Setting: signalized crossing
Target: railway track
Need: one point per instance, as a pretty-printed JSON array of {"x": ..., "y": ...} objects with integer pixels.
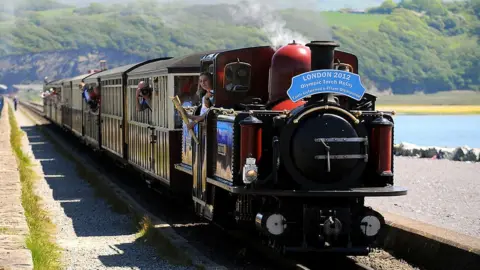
[{"x": 231, "y": 249}]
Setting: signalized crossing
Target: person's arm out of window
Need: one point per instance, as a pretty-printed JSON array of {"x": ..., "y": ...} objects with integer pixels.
[{"x": 196, "y": 119}]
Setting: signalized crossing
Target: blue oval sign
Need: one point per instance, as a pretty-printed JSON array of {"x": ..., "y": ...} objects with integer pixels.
[{"x": 326, "y": 81}]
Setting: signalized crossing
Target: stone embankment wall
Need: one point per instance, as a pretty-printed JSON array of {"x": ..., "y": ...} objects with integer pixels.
[
  {"x": 13, "y": 225},
  {"x": 457, "y": 154}
]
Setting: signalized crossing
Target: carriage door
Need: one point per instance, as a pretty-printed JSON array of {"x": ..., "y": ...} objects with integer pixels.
[
  {"x": 199, "y": 162},
  {"x": 141, "y": 130}
]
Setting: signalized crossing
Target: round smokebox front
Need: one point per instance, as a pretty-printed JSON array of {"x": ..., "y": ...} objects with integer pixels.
[{"x": 323, "y": 151}]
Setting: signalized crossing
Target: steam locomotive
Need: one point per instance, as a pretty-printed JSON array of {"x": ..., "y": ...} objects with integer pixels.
[{"x": 288, "y": 153}]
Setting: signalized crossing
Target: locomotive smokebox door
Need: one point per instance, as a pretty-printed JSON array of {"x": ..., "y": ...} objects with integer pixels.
[{"x": 324, "y": 149}]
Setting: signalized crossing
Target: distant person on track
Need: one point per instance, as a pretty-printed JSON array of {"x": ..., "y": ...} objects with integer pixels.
[
  {"x": 1, "y": 105},
  {"x": 15, "y": 102},
  {"x": 206, "y": 89}
]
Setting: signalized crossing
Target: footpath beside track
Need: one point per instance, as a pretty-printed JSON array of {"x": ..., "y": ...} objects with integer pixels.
[
  {"x": 424, "y": 245},
  {"x": 13, "y": 225},
  {"x": 94, "y": 230}
]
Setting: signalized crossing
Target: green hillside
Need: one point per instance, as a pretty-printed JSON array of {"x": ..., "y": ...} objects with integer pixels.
[{"x": 417, "y": 45}]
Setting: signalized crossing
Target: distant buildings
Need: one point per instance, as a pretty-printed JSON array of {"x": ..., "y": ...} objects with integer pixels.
[{"x": 352, "y": 11}]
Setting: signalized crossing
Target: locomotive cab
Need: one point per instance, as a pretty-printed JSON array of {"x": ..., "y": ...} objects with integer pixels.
[{"x": 240, "y": 77}]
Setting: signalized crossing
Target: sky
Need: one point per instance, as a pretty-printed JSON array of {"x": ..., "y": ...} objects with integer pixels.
[
  {"x": 324, "y": 5},
  {"x": 310, "y": 4}
]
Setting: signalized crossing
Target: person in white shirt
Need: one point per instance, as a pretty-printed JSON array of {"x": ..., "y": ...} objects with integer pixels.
[{"x": 205, "y": 82}]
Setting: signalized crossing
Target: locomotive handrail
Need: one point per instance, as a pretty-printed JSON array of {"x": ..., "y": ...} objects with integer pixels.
[
  {"x": 225, "y": 111},
  {"x": 326, "y": 107},
  {"x": 358, "y": 113}
]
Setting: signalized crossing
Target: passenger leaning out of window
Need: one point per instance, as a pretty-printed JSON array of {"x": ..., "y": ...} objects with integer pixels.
[{"x": 206, "y": 86}]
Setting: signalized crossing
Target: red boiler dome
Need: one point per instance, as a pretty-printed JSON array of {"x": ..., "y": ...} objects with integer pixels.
[
  {"x": 287, "y": 62},
  {"x": 287, "y": 105}
]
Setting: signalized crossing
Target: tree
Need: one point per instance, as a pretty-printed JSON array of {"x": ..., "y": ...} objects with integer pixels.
[
  {"x": 476, "y": 7},
  {"x": 385, "y": 8},
  {"x": 431, "y": 7}
]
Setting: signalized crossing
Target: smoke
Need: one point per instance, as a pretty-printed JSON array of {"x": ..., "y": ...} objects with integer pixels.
[{"x": 263, "y": 15}]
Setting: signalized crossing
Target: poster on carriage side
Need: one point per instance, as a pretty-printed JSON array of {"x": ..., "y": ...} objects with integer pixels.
[{"x": 183, "y": 114}]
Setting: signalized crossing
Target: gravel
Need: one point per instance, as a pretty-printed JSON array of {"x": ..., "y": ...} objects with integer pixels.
[
  {"x": 91, "y": 234},
  {"x": 443, "y": 193},
  {"x": 381, "y": 260}
]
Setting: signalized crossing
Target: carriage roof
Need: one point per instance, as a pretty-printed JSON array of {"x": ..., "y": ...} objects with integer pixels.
[
  {"x": 53, "y": 83},
  {"x": 183, "y": 64},
  {"x": 118, "y": 71},
  {"x": 78, "y": 78},
  {"x": 114, "y": 72}
]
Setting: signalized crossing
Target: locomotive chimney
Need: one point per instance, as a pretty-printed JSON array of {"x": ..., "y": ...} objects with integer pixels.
[{"x": 322, "y": 54}]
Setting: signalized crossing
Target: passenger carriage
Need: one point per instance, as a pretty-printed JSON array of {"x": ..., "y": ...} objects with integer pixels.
[
  {"x": 53, "y": 100},
  {"x": 76, "y": 106},
  {"x": 106, "y": 128},
  {"x": 154, "y": 135}
]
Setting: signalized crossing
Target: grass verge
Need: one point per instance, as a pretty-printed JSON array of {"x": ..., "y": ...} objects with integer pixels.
[
  {"x": 4, "y": 230},
  {"x": 146, "y": 233},
  {"x": 432, "y": 109},
  {"x": 45, "y": 252}
]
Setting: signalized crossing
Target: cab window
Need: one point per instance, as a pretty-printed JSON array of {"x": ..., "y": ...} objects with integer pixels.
[{"x": 185, "y": 87}]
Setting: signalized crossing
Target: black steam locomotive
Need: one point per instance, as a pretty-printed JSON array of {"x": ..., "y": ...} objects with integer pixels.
[
  {"x": 297, "y": 169},
  {"x": 290, "y": 150}
]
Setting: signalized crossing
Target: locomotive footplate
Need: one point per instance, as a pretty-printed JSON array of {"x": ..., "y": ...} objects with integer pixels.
[{"x": 352, "y": 192}]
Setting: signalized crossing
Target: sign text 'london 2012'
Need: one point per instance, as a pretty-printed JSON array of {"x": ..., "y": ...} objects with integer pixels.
[{"x": 324, "y": 82}]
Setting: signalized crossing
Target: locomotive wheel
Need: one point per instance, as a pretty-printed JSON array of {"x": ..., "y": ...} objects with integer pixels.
[{"x": 298, "y": 150}]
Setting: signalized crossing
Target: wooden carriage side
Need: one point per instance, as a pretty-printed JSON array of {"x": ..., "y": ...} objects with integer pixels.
[
  {"x": 53, "y": 101},
  {"x": 91, "y": 119},
  {"x": 108, "y": 124},
  {"x": 66, "y": 104},
  {"x": 47, "y": 100},
  {"x": 154, "y": 135},
  {"x": 112, "y": 85},
  {"x": 75, "y": 103}
]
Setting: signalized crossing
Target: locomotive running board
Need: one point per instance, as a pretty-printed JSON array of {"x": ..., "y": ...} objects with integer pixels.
[
  {"x": 353, "y": 192},
  {"x": 184, "y": 168}
]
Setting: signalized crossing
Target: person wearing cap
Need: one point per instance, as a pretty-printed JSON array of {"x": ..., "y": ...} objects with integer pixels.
[
  {"x": 142, "y": 101},
  {"x": 205, "y": 83}
]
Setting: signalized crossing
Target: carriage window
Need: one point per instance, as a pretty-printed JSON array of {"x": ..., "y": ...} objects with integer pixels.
[
  {"x": 142, "y": 116},
  {"x": 186, "y": 90}
]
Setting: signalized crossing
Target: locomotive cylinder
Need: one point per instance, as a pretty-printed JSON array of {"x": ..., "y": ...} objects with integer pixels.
[
  {"x": 381, "y": 145},
  {"x": 250, "y": 139}
]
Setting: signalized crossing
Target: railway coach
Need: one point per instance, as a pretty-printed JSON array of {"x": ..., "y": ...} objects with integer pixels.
[{"x": 288, "y": 153}]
